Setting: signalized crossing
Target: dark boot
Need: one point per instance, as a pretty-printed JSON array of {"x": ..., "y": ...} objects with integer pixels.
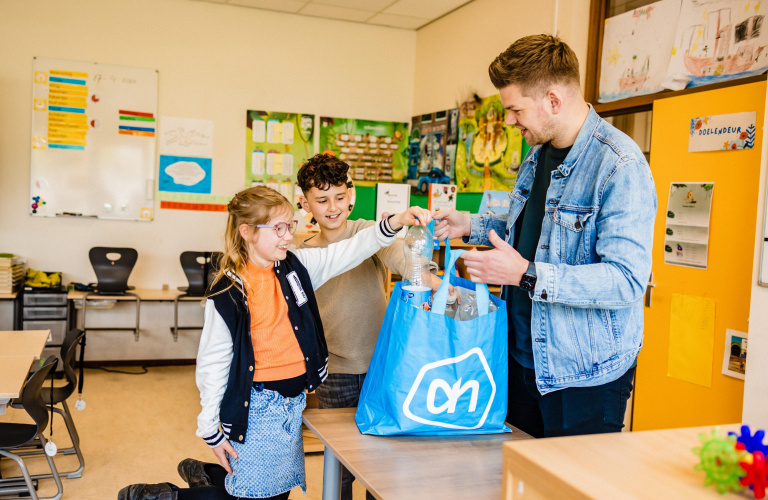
[
  {"x": 161, "y": 491},
  {"x": 193, "y": 473}
]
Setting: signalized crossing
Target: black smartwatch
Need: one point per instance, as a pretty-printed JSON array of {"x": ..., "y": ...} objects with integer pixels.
[{"x": 528, "y": 281}]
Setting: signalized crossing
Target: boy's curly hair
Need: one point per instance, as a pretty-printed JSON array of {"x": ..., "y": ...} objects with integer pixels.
[{"x": 322, "y": 171}]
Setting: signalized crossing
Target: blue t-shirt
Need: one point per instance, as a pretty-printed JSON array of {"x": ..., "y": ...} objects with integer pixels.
[{"x": 527, "y": 234}]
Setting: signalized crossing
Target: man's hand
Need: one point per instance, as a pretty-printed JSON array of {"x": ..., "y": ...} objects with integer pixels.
[
  {"x": 501, "y": 266},
  {"x": 450, "y": 224},
  {"x": 221, "y": 453},
  {"x": 412, "y": 216}
]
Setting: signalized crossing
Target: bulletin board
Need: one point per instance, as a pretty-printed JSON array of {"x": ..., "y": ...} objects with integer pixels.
[
  {"x": 93, "y": 140},
  {"x": 678, "y": 347},
  {"x": 376, "y": 151}
]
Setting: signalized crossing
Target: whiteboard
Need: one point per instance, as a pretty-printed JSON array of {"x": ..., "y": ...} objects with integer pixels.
[{"x": 93, "y": 140}]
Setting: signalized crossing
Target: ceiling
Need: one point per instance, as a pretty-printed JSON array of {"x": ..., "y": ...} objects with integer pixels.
[{"x": 407, "y": 14}]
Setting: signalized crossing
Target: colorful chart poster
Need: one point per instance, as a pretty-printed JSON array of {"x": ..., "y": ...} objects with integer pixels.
[
  {"x": 686, "y": 238},
  {"x": 432, "y": 149},
  {"x": 494, "y": 202},
  {"x": 719, "y": 40},
  {"x": 489, "y": 153},
  {"x": 637, "y": 46},
  {"x": 276, "y": 144},
  {"x": 186, "y": 155},
  {"x": 442, "y": 196},
  {"x": 722, "y": 132},
  {"x": 375, "y": 151},
  {"x": 735, "y": 354}
]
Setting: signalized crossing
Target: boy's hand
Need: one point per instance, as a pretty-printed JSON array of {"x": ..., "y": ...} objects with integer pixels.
[
  {"x": 436, "y": 280},
  {"x": 411, "y": 217},
  {"x": 221, "y": 454}
]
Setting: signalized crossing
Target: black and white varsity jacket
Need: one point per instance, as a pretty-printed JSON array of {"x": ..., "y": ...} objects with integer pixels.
[{"x": 225, "y": 358}]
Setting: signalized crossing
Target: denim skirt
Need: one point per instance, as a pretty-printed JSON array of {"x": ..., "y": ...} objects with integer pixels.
[{"x": 271, "y": 459}]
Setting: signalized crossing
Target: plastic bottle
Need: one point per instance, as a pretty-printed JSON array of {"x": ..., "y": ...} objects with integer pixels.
[
  {"x": 451, "y": 307},
  {"x": 417, "y": 280}
]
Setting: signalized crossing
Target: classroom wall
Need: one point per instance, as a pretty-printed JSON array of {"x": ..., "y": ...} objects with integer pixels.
[
  {"x": 453, "y": 53},
  {"x": 215, "y": 62},
  {"x": 755, "y": 411}
]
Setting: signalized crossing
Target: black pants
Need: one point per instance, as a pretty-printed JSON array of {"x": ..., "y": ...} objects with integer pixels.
[
  {"x": 342, "y": 390},
  {"x": 216, "y": 492},
  {"x": 567, "y": 412}
]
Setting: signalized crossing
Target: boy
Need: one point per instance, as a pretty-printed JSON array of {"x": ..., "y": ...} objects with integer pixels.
[{"x": 352, "y": 305}]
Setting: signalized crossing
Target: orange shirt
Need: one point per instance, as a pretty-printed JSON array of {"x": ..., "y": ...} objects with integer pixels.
[{"x": 275, "y": 347}]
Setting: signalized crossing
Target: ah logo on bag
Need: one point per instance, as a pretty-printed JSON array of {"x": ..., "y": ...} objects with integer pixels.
[{"x": 455, "y": 393}]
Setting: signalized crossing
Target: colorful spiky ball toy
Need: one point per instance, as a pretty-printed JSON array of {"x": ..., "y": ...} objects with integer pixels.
[{"x": 730, "y": 463}]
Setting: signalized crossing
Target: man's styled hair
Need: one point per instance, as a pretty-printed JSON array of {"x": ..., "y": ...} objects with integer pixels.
[
  {"x": 535, "y": 62},
  {"x": 322, "y": 171}
]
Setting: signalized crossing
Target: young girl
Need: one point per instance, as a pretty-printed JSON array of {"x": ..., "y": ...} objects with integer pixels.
[{"x": 262, "y": 345}]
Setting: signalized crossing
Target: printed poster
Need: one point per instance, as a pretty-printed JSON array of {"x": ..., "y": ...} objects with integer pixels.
[
  {"x": 494, "y": 202},
  {"x": 276, "y": 145},
  {"x": 719, "y": 40},
  {"x": 735, "y": 354},
  {"x": 686, "y": 238},
  {"x": 637, "y": 46},
  {"x": 392, "y": 199},
  {"x": 442, "y": 196},
  {"x": 375, "y": 151},
  {"x": 432, "y": 149},
  {"x": 186, "y": 155},
  {"x": 722, "y": 132},
  {"x": 489, "y": 153}
]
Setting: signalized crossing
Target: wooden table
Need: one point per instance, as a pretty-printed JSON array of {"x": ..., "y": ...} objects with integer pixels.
[
  {"x": 636, "y": 465},
  {"x": 408, "y": 467},
  {"x": 13, "y": 373},
  {"x": 23, "y": 343}
]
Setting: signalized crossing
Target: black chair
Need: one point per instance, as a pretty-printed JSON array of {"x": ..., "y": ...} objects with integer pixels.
[
  {"x": 199, "y": 267},
  {"x": 14, "y": 436},
  {"x": 112, "y": 279},
  {"x": 60, "y": 395}
]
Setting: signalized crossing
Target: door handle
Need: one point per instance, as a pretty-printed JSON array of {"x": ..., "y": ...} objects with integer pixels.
[{"x": 649, "y": 291}]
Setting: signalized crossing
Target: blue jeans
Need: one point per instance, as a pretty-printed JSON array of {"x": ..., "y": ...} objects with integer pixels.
[
  {"x": 342, "y": 390},
  {"x": 568, "y": 412}
]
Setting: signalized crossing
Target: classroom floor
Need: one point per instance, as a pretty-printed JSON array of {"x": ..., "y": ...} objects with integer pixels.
[{"x": 136, "y": 429}]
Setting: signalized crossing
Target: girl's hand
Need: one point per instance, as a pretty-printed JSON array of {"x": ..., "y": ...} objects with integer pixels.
[
  {"x": 221, "y": 453},
  {"x": 412, "y": 216}
]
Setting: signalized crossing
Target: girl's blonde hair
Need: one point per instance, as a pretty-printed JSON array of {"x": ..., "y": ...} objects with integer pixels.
[{"x": 252, "y": 206}]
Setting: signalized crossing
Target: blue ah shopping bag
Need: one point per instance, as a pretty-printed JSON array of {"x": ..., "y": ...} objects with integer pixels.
[{"x": 433, "y": 375}]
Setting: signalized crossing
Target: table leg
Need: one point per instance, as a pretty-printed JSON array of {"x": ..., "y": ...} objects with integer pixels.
[{"x": 331, "y": 476}]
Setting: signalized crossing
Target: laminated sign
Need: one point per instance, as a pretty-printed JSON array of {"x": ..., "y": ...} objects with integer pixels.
[{"x": 722, "y": 132}]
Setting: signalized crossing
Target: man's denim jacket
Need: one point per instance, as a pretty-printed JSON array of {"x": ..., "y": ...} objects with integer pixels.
[{"x": 593, "y": 260}]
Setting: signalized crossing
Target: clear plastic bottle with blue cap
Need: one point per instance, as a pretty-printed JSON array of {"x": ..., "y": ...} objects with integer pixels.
[{"x": 417, "y": 280}]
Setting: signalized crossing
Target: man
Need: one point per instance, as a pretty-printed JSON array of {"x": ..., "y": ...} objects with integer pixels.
[{"x": 574, "y": 251}]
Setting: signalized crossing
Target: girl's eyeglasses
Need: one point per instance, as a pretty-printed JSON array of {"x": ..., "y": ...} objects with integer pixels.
[{"x": 281, "y": 227}]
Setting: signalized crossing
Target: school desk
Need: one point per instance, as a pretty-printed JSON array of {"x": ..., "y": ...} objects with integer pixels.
[
  {"x": 143, "y": 294},
  {"x": 637, "y": 465},
  {"x": 408, "y": 467},
  {"x": 23, "y": 343}
]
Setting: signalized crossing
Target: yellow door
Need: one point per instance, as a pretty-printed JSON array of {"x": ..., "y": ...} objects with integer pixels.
[{"x": 661, "y": 401}]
